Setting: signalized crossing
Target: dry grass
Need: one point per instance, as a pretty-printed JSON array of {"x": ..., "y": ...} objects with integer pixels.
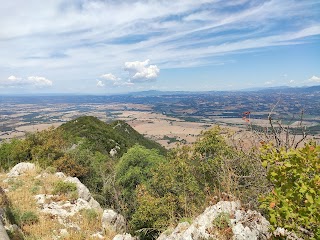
[{"x": 21, "y": 196}]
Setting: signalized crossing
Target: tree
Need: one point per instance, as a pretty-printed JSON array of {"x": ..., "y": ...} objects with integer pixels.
[{"x": 134, "y": 168}]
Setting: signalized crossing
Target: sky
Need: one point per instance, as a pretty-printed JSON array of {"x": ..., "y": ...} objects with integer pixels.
[{"x": 116, "y": 46}]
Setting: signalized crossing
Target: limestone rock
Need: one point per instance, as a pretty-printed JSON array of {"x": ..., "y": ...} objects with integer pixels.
[
  {"x": 60, "y": 175},
  {"x": 283, "y": 233},
  {"x": 97, "y": 235},
  {"x": 3, "y": 233},
  {"x": 124, "y": 237},
  {"x": 21, "y": 168},
  {"x": 249, "y": 225},
  {"x": 84, "y": 193},
  {"x": 113, "y": 220}
]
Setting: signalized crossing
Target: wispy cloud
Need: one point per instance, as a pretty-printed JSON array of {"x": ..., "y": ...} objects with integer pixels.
[{"x": 86, "y": 38}]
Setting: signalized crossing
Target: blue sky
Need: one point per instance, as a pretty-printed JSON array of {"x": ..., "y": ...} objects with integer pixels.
[{"x": 109, "y": 46}]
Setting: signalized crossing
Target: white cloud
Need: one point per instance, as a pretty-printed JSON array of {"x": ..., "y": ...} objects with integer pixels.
[
  {"x": 141, "y": 71},
  {"x": 34, "y": 81},
  {"x": 100, "y": 83},
  {"x": 314, "y": 79},
  {"x": 72, "y": 40},
  {"x": 291, "y": 81},
  {"x": 39, "y": 81},
  {"x": 110, "y": 77}
]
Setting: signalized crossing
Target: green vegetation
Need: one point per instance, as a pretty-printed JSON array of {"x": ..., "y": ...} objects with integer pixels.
[
  {"x": 294, "y": 201},
  {"x": 154, "y": 189},
  {"x": 22, "y": 218},
  {"x": 222, "y": 221},
  {"x": 62, "y": 187},
  {"x": 103, "y": 137}
]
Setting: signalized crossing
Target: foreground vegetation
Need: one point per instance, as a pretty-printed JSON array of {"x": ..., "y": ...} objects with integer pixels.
[{"x": 154, "y": 189}]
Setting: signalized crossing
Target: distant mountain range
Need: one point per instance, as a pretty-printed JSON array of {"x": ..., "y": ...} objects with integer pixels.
[
  {"x": 284, "y": 89},
  {"x": 150, "y": 93}
]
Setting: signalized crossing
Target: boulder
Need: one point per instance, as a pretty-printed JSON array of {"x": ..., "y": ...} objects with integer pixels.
[
  {"x": 113, "y": 220},
  {"x": 249, "y": 225},
  {"x": 3, "y": 232},
  {"x": 21, "y": 168}
]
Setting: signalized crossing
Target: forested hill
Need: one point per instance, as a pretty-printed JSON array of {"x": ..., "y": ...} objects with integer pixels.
[{"x": 103, "y": 137}]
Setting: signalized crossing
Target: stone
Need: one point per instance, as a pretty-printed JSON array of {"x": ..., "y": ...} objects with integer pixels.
[
  {"x": 124, "y": 237},
  {"x": 64, "y": 232},
  {"x": 60, "y": 175},
  {"x": 245, "y": 225},
  {"x": 83, "y": 191},
  {"x": 21, "y": 168},
  {"x": 113, "y": 152},
  {"x": 113, "y": 220},
  {"x": 3, "y": 232},
  {"x": 94, "y": 204},
  {"x": 97, "y": 235}
]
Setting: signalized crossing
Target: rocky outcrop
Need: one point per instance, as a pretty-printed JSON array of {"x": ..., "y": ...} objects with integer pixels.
[
  {"x": 113, "y": 220},
  {"x": 225, "y": 217},
  {"x": 59, "y": 207},
  {"x": 20, "y": 168},
  {"x": 84, "y": 193},
  {"x": 3, "y": 232}
]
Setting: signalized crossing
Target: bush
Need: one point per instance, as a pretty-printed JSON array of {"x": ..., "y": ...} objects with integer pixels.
[
  {"x": 70, "y": 165},
  {"x": 22, "y": 218},
  {"x": 222, "y": 221},
  {"x": 134, "y": 168},
  {"x": 294, "y": 202},
  {"x": 62, "y": 187}
]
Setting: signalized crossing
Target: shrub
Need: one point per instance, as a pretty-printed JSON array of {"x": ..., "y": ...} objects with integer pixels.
[
  {"x": 70, "y": 165},
  {"x": 222, "y": 221},
  {"x": 134, "y": 168},
  {"x": 294, "y": 202},
  {"x": 22, "y": 218},
  {"x": 62, "y": 187}
]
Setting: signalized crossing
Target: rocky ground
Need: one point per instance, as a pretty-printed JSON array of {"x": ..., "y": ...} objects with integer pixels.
[{"x": 80, "y": 216}]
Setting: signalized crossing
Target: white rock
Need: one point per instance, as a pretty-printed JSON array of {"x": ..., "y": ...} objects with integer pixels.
[
  {"x": 284, "y": 233},
  {"x": 248, "y": 225},
  {"x": 97, "y": 235},
  {"x": 64, "y": 232},
  {"x": 113, "y": 152},
  {"x": 42, "y": 175},
  {"x": 21, "y": 168},
  {"x": 94, "y": 204},
  {"x": 124, "y": 237},
  {"x": 83, "y": 191},
  {"x": 40, "y": 198},
  {"x": 60, "y": 175},
  {"x": 113, "y": 220}
]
